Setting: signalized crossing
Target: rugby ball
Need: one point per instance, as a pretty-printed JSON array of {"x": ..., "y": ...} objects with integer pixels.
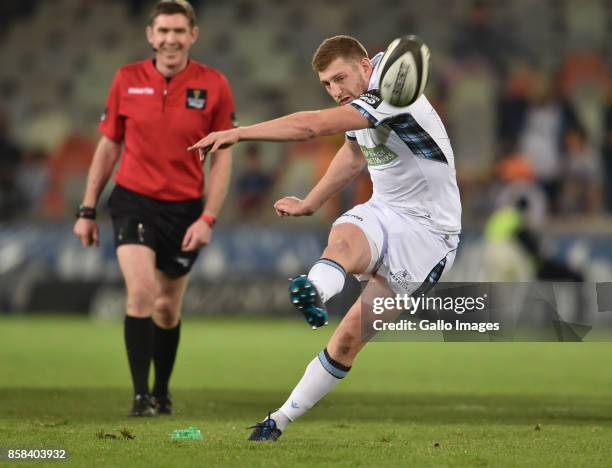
[{"x": 403, "y": 71}]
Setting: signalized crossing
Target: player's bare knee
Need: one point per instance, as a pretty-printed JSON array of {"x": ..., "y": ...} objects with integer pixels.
[
  {"x": 340, "y": 250},
  {"x": 166, "y": 312},
  {"x": 140, "y": 303},
  {"x": 338, "y": 246},
  {"x": 349, "y": 247}
]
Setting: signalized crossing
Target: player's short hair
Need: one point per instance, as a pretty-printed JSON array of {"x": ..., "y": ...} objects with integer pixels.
[
  {"x": 337, "y": 47},
  {"x": 173, "y": 7}
]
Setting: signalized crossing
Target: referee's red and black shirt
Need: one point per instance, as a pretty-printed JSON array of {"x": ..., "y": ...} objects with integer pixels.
[{"x": 157, "y": 119}]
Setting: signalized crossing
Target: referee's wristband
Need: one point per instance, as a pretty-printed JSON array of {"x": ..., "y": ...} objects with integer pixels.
[
  {"x": 208, "y": 219},
  {"x": 86, "y": 212}
]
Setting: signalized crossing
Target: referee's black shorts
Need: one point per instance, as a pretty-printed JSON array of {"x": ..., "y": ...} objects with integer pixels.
[{"x": 160, "y": 225}]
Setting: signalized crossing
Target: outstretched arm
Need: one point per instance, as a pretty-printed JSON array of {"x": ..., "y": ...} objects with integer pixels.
[
  {"x": 345, "y": 166},
  {"x": 293, "y": 127}
]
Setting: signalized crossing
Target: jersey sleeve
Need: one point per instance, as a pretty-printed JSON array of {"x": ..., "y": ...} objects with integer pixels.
[
  {"x": 112, "y": 124},
  {"x": 350, "y": 135},
  {"x": 225, "y": 114},
  {"x": 373, "y": 108}
]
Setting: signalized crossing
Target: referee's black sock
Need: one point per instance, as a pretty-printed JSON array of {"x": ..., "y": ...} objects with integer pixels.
[
  {"x": 138, "y": 334},
  {"x": 166, "y": 343}
]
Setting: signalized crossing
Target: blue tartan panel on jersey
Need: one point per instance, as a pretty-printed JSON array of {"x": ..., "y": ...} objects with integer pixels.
[
  {"x": 417, "y": 139},
  {"x": 432, "y": 278},
  {"x": 373, "y": 120}
]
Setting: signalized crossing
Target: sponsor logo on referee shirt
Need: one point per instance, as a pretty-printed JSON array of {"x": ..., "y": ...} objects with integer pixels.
[
  {"x": 147, "y": 90},
  {"x": 196, "y": 99}
]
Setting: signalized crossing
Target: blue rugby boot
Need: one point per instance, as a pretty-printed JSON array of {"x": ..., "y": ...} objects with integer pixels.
[
  {"x": 305, "y": 297},
  {"x": 265, "y": 430}
]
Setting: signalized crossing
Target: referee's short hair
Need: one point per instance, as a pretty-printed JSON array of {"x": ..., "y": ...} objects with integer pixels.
[{"x": 172, "y": 7}]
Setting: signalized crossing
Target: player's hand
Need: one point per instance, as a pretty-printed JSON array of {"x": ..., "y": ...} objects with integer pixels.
[
  {"x": 197, "y": 236},
  {"x": 292, "y": 206},
  {"x": 87, "y": 231},
  {"x": 215, "y": 141}
]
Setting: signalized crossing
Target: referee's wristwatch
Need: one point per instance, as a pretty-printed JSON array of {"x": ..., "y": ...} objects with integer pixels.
[
  {"x": 86, "y": 212},
  {"x": 208, "y": 219}
]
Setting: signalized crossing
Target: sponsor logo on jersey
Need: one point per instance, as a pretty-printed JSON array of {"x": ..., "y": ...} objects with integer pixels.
[
  {"x": 196, "y": 99},
  {"x": 353, "y": 216},
  {"x": 402, "y": 278},
  {"x": 371, "y": 98},
  {"x": 147, "y": 90},
  {"x": 379, "y": 155}
]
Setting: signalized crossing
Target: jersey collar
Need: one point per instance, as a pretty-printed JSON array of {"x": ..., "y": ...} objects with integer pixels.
[
  {"x": 375, "y": 61},
  {"x": 155, "y": 72}
]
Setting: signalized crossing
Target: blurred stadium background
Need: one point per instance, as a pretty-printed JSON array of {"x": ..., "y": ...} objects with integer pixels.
[{"x": 524, "y": 87}]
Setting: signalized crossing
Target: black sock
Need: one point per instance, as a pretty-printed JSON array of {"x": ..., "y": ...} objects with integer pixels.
[
  {"x": 166, "y": 344},
  {"x": 138, "y": 333}
]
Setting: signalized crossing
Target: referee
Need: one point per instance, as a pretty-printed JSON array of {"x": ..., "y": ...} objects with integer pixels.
[{"x": 155, "y": 110}]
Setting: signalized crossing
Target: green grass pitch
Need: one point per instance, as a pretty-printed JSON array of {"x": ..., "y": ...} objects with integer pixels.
[{"x": 63, "y": 382}]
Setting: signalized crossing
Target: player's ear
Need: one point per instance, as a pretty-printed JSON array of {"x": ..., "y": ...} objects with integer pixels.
[
  {"x": 149, "y": 33},
  {"x": 366, "y": 66},
  {"x": 195, "y": 33}
]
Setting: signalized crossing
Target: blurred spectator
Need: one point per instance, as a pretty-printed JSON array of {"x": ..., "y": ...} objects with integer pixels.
[
  {"x": 473, "y": 92},
  {"x": 479, "y": 39},
  {"x": 607, "y": 152},
  {"x": 68, "y": 167},
  {"x": 530, "y": 239},
  {"x": 582, "y": 175},
  {"x": 513, "y": 105},
  {"x": 516, "y": 177},
  {"x": 504, "y": 258},
  {"x": 254, "y": 183},
  {"x": 514, "y": 249},
  {"x": 584, "y": 80},
  {"x": 546, "y": 121},
  {"x": 10, "y": 161},
  {"x": 33, "y": 180}
]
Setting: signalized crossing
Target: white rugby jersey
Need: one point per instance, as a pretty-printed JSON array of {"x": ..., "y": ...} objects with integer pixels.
[{"x": 409, "y": 157}]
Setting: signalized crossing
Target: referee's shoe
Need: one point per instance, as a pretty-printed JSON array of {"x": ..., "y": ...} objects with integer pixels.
[
  {"x": 162, "y": 404},
  {"x": 143, "y": 406}
]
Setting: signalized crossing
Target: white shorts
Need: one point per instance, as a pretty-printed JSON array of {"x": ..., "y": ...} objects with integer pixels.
[{"x": 407, "y": 253}]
